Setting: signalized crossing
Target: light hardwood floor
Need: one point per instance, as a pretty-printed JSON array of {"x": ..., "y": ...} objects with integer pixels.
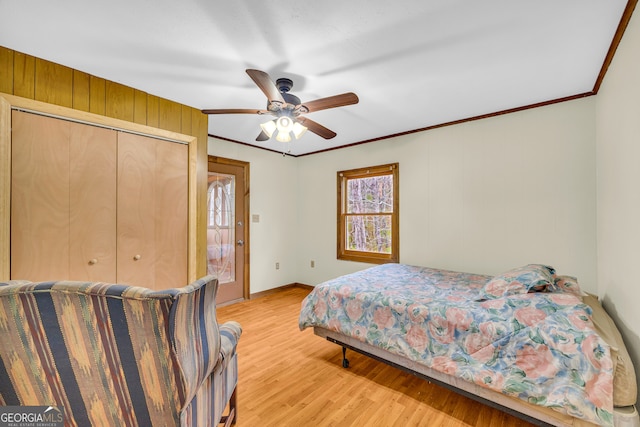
[{"x": 289, "y": 377}]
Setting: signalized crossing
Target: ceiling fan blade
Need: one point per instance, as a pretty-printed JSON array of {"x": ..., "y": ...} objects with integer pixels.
[
  {"x": 262, "y": 137},
  {"x": 348, "y": 98},
  {"x": 266, "y": 85},
  {"x": 235, "y": 111},
  {"x": 316, "y": 128}
]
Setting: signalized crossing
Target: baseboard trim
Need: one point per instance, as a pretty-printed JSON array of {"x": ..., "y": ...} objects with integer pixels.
[
  {"x": 280, "y": 289},
  {"x": 235, "y": 301}
]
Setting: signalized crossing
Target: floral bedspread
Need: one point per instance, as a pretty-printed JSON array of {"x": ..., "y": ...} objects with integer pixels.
[{"x": 540, "y": 347}]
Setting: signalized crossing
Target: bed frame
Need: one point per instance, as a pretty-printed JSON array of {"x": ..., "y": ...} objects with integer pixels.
[{"x": 534, "y": 414}]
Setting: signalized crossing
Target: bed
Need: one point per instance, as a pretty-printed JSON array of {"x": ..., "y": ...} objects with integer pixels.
[{"x": 527, "y": 341}]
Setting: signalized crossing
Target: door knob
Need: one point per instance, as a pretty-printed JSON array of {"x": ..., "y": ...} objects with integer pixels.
[
  {"x": 240, "y": 242},
  {"x": 93, "y": 261},
  {"x": 136, "y": 257}
]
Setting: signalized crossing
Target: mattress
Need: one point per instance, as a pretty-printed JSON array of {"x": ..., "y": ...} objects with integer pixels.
[{"x": 542, "y": 347}]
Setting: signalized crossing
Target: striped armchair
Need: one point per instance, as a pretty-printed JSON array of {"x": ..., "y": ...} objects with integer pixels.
[{"x": 114, "y": 355}]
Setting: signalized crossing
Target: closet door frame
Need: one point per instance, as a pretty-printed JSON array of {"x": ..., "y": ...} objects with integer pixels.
[{"x": 11, "y": 102}]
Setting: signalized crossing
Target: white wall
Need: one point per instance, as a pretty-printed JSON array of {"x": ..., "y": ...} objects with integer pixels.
[
  {"x": 273, "y": 196},
  {"x": 484, "y": 196},
  {"x": 618, "y": 184}
]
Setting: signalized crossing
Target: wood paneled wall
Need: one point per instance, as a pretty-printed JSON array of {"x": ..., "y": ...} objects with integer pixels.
[{"x": 34, "y": 78}]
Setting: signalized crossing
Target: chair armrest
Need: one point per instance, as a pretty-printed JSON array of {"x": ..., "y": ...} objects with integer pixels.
[{"x": 230, "y": 334}]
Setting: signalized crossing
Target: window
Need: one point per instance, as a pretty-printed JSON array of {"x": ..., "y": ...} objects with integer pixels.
[
  {"x": 221, "y": 239},
  {"x": 368, "y": 212},
  {"x": 220, "y": 200}
]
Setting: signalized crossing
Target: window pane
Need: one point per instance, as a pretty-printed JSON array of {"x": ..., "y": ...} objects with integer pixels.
[
  {"x": 221, "y": 227},
  {"x": 370, "y": 195},
  {"x": 369, "y": 233},
  {"x": 368, "y": 212}
]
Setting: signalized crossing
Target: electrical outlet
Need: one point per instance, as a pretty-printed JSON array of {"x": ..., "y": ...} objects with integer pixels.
[
  {"x": 277, "y": 266},
  {"x": 313, "y": 263}
]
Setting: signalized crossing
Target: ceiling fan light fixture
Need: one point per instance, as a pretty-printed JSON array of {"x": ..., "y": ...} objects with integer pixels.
[
  {"x": 298, "y": 130},
  {"x": 269, "y": 127},
  {"x": 284, "y": 124},
  {"x": 283, "y": 136}
]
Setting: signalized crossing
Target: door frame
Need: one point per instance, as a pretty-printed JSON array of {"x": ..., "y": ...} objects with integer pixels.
[
  {"x": 246, "y": 288},
  {"x": 10, "y": 102}
]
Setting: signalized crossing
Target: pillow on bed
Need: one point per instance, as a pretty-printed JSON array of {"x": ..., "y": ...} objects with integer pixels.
[
  {"x": 567, "y": 284},
  {"x": 529, "y": 278}
]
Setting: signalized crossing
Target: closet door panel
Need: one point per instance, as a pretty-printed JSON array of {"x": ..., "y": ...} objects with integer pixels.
[
  {"x": 171, "y": 182},
  {"x": 39, "y": 197},
  {"x": 136, "y": 210},
  {"x": 93, "y": 177}
]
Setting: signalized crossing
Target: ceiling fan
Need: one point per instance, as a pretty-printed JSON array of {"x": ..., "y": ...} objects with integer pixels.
[{"x": 288, "y": 109}]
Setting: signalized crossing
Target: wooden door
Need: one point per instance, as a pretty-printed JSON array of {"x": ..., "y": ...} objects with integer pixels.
[
  {"x": 39, "y": 197},
  {"x": 227, "y": 231},
  {"x": 152, "y": 212},
  {"x": 63, "y": 200},
  {"x": 172, "y": 206},
  {"x": 92, "y": 203}
]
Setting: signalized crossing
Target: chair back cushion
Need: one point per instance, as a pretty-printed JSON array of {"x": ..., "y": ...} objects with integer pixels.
[{"x": 105, "y": 354}]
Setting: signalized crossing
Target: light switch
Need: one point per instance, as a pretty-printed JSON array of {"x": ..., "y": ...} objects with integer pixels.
[{"x": 255, "y": 218}]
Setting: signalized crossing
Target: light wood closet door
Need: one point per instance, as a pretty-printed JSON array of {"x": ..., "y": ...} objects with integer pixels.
[
  {"x": 39, "y": 197},
  {"x": 63, "y": 200},
  {"x": 96, "y": 204},
  {"x": 92, "y": 203},
  {"x": 152, "y": 212},
  {"x": 172, "y": 212}
]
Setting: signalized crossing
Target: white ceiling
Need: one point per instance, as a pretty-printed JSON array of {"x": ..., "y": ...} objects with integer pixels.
[{"x": 413, "y": 63}]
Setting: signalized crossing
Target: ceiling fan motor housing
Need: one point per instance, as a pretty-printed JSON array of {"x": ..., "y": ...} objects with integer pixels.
[
  {"x": 291, "y": 99},
  {"x": 284, "y": 84}
]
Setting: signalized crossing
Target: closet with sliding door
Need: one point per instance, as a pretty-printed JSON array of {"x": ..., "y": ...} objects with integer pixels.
[{"x": 94, "y": 203}]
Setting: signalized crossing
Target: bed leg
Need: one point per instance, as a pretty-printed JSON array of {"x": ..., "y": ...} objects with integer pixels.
[{"x": 345, "y": 361}]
